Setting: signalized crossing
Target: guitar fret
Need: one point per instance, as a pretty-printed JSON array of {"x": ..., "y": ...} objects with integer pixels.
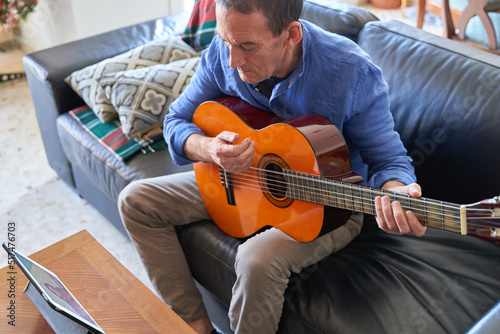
[
  {"x": 291, "y": 180},
  {"x": 331, "y": 199},
  {"x": 426, "y": 216},
  {"x": 324, "y": 193},
  {"x": 324, "y": 188},
  {"x": 348, "y": 201},
  {"x": 443, "y": 220},
  {"x": 407, "y": 199},
  {"x": 310, "y": 190},
  {"x": 357, "y": 203},
  {"x": 290, "y": 185},
  {"x": 419, "y": 211},
  {"x": 300, "y": 193},
  {"x": 339, "y": 194},
  {"x": 307, "y": 191},
  {"x": 345, "y": 196},
  {"x": 368, "y": 202},
  {"x": 316, "y": 191},
  {"x": 300, "y": 187},
  {"x": 434, "y": 216},
  {"x": 451, "y": 219}
]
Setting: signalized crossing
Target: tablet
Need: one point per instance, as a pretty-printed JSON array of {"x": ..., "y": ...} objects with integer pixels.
[{"x": 53, "y": 291}]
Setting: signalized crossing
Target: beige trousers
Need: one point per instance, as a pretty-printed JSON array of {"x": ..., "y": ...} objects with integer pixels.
[{"x": 150, "y": 210}]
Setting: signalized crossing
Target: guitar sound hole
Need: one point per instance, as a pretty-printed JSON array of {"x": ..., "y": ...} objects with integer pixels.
[
  {"x": 276, "y": 183},
  {"x": 272, "y": 181}
]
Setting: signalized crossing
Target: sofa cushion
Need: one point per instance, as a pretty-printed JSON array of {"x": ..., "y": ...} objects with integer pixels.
[
  {"x": 86, "y": 80},
  {"x": 142, "y": 96},
  {"x": 380, "y": 283},
  {"x": 444, "y": 99},
  {"x": 102, "y": 167}
]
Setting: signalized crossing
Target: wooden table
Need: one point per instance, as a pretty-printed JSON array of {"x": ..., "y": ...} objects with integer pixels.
[{"x": 115, "y": 298}]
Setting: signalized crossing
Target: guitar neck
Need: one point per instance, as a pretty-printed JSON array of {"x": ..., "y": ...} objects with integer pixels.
[{"x": 353, "y": 197}]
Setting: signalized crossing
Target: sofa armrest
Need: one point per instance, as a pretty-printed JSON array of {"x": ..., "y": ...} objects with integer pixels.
[{"x": 46, "y": 70}]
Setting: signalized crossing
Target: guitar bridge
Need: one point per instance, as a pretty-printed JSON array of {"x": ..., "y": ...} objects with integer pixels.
[{"x": 227, "y": 183}]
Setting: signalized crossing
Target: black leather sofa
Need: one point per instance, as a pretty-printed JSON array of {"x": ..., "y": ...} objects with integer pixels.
[{"x": 445, "y": 98}]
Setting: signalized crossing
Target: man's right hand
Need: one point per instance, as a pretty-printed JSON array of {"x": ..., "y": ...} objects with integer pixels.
[{"x": 221, "y": 150}]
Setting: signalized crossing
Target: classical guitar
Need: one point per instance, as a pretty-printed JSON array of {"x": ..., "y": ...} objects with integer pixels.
[{"x": 301, "y": 180}]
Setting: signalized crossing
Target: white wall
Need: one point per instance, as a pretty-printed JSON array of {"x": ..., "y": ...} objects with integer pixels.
[{"x": 56, "y": 22}]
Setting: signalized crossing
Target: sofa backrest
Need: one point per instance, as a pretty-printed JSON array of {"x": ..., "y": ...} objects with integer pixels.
[
  {"x": 337, "y": 17},
  {"x": 445, "y": 99}
]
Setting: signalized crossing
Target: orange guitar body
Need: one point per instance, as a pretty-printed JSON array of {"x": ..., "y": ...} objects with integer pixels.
[{"x": 242, "y": 204}]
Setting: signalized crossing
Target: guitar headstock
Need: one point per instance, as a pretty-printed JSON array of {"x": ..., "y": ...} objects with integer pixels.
[{"x": 483, "y": 219}]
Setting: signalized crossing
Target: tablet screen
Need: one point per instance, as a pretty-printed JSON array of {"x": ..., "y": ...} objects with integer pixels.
[{"x": 55, "y": 290}]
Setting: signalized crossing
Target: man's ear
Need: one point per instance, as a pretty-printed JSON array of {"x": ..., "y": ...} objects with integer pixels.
[{"x": 294, "y": 31}]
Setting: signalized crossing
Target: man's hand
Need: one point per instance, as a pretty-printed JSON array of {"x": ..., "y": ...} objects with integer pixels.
[
  {"x": 390, "y": 216},
  {"x": 221, "y": 150}
]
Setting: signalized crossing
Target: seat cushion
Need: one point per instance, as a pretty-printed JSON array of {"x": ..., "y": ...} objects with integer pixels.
[
  {"x": 380, "y": 283},
  {"x": 107, "y": 172}
]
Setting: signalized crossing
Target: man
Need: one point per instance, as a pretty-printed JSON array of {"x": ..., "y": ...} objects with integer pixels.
[{"x": 266, "y": 56}]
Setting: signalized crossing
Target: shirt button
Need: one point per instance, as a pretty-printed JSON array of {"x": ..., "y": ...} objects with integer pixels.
[{"x": 257, "y": 89}]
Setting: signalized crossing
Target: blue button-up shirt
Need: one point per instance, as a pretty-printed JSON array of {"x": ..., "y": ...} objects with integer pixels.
[{"x": 335, "y": 79}]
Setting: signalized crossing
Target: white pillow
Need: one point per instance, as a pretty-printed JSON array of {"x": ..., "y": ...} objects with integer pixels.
[
  {"x": 143, "y": 96},
  {"x": 85, "y": 82}
]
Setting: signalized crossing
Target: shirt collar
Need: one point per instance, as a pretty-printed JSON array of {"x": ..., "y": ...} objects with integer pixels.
[{"x": 299, "y": 71}]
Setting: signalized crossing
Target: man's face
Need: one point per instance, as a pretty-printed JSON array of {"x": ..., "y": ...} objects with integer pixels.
[{"x": 254, "y": 51}]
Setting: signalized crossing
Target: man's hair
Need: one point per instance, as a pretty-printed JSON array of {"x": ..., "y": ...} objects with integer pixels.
[{"x": 279, "y": 13}]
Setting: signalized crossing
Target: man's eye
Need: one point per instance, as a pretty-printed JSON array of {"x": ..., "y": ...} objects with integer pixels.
[{"x": 248, "y": 47}]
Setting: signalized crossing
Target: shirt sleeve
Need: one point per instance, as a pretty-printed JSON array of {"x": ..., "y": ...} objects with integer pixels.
[
  {"x": 371, "y": 130},
  {"x": 177, "y": 125}
]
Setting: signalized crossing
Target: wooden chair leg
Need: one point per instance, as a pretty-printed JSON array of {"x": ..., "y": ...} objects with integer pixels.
[
  {"x": 449, "y": 27},
  {"x": 421, "y": 13},
  {"x": 404, "y": 4}
]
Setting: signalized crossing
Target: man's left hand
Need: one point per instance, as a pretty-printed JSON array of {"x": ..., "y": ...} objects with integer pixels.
[{"x": 390, "y": 216}]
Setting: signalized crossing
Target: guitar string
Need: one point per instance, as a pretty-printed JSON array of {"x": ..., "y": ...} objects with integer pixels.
[
  {"x": 350, "y": 186},
  {"x": 353, "y": 199},
  {"x": 285, "y": 186},
  {"x": 428, "y": 202},
  {"x": 444, "y": 225},
  {"x": 446, "y": 205},
  {"x": 355, "y": 204}
]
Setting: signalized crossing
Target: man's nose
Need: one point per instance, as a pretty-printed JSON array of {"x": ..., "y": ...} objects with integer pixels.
[{"x": 236, "y": 57}]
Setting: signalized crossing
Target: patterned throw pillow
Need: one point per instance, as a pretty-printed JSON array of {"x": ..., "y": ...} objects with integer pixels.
[
  {"x": 85, "y": 82},
  {"x": 142, "y": 96},
  {"x": 200, "y": 29}
]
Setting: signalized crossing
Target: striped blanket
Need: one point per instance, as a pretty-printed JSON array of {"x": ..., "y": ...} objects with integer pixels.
[
  {"x": 111, "y": 136},
  {"x": 200, "y": 29}
]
